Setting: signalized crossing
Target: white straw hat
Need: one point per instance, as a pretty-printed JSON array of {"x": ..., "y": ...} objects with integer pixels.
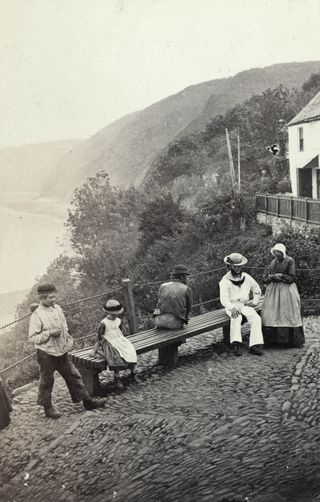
[{"x": 235, "y": 259}]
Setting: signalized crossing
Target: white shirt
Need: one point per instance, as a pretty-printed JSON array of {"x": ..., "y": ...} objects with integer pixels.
[
  {"x": 232, "y": 295},
  {"x": 42, "y": 321}
]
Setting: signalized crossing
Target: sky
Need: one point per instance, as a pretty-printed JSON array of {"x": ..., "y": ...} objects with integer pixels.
[{"x": 70, "y": 67}]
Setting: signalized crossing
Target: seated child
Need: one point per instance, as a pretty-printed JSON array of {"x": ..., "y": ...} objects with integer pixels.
[{"x": 113, "y": 346}]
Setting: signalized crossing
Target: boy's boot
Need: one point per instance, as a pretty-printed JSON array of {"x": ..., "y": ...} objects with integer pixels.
[
  {"x": 51, "y": 412},
  {"x": 93, "y": 404}
]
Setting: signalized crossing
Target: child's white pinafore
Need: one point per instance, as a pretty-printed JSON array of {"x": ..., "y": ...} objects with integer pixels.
[{"x": 116, "y": 338}]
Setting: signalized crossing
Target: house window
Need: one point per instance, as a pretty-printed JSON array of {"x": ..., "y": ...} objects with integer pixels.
[{"x": 301, "y": 145}]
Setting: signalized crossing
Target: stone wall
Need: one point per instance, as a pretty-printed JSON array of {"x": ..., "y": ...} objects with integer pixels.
[{"x": 279, "y": 225}]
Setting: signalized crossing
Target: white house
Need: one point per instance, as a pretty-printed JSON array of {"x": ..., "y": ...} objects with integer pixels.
[{"x": 304, "y": 150}]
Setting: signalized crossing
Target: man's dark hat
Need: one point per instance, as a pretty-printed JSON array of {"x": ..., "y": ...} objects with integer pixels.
[
  {"x": 46, "y": 288},
  {"x": 180, "y": 270}
]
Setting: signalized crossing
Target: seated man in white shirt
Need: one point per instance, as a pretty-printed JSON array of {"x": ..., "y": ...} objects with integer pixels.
[{"x": 236, "y": 287}]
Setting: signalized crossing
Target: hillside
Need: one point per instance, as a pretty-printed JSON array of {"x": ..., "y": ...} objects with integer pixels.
[
  {"x": 127, "y": 148},
  {"x": 26, "y": 168},
  {"x": 247, "y": 83}
]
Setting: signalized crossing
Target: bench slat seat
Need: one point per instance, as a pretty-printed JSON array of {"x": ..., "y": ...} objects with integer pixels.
[{"x": 166, "y": 341}]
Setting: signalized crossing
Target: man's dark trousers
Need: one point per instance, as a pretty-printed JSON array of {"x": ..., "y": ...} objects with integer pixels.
[{"x": 48, "y": 365}]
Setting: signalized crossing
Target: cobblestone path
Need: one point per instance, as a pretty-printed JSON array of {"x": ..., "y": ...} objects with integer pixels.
[{"x": 214, "y": 428}]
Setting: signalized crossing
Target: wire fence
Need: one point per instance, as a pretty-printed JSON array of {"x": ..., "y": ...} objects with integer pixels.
[
  {"x": 89, "y": 298},
  {"x": 64, "y": 305},
  {"x": 17, "y": 363},
  {"x": 142, "y": 285}
]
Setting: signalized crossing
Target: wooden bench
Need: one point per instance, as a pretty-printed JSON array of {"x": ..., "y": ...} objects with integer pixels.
[{"x": 167, "y": 343}]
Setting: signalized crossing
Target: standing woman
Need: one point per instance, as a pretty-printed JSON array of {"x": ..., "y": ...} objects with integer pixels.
[{"x": 281, "y": 310}]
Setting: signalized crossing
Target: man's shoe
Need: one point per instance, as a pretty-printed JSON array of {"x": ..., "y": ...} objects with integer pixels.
[
  {"x": 94, "y": 404},
  {"x": 254, "y": 350},
  {"x": 237, "y": 350},
  {"x": 52, "y": 412}
]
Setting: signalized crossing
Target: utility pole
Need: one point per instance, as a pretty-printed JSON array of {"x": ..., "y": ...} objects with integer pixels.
[
  {"x": 232, "y": 172},
  {"x": 239, "y": 165},
  {"x": 242, "y": 219}
]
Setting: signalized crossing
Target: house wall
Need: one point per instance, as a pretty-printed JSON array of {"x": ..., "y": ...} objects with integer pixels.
[{"x": 297, "y": 158}]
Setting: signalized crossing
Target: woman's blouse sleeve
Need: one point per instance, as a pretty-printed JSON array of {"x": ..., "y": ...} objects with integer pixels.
[
  {"x": 265, "y": 275},
  {"x": 290, "y": 275}
]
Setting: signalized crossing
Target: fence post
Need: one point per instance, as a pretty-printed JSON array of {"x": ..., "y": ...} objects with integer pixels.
[
  {"x": 291, "y": 208},
  {"x": 306, "y": 209},
  {"x": 266, "y": 204},
  {"x": 129, "y": 302},
  {"x": 277, "y": 206}
]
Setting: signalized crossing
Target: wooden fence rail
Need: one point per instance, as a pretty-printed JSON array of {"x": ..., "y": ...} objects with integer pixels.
[{"x": 293, "y": 208}]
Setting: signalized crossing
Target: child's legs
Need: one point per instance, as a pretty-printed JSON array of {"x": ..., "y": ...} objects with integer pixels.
[
  {"x": 132, "y": 367},
  {"x": 116, "y": 374}
]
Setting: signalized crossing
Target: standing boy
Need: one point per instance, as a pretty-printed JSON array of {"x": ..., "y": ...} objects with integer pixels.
[{"x": 49, "y": 332}]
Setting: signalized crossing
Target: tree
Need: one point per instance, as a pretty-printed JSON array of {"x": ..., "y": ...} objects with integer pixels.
[
  {"x": 104, "y": 231},
  {"x": 160, "y": 217},
  {"x": 312, "y": 84}
]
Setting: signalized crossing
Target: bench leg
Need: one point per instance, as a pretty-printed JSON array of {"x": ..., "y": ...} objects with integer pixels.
[
  {"x": 226, "y": 334},
  {"x": 168, "y": 356},
  {"x": 91, "y": 381}
]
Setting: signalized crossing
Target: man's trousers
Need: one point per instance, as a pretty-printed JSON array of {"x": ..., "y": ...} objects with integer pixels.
[
  {"x": 168, "y": 321},
  {"x": 48, "y": 365},
  {"x": 254, "y": 320}
]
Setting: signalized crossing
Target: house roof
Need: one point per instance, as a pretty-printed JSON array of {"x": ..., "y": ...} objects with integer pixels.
[
  {"x": 312, "y": 163},
  {"x": 309, "y": 113}
]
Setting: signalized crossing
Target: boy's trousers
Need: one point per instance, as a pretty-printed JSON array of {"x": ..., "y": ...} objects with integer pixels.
[{"x": 48, "y": 365}]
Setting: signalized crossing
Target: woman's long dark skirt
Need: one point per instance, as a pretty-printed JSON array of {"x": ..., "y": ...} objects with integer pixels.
[{"x": 292, "y": 337}]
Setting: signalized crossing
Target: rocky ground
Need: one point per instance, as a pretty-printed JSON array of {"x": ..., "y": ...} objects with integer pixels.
[{"x": 215, "y": 428}]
